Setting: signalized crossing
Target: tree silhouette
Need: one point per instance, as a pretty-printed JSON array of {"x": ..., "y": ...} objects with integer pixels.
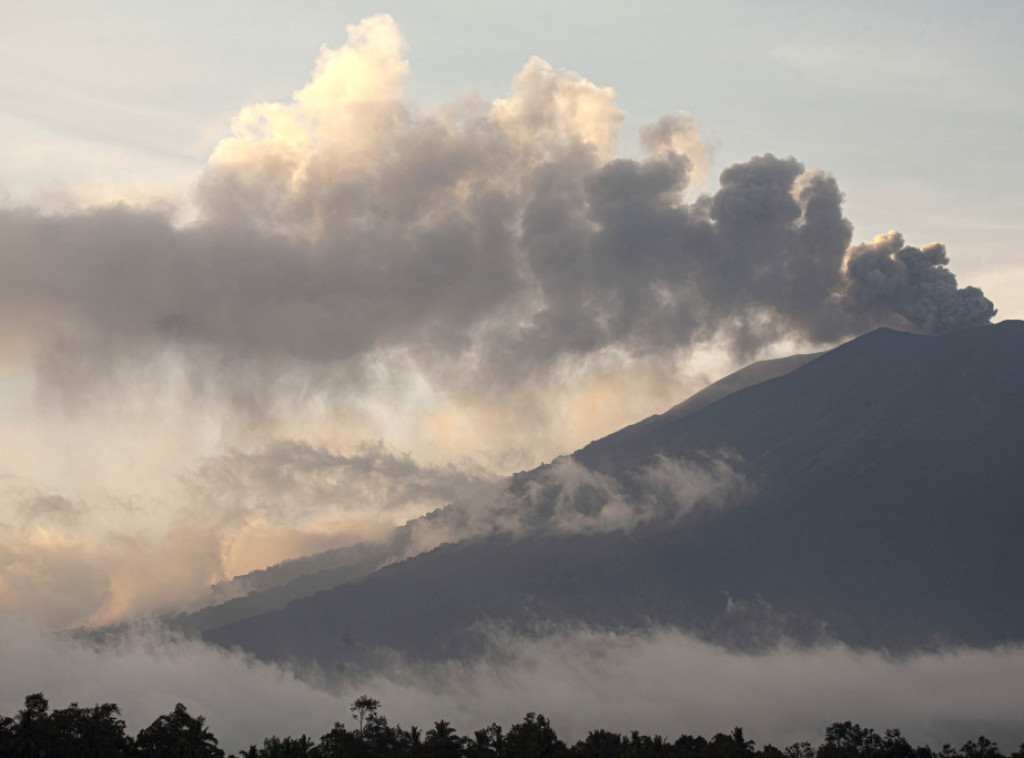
[
  {"x": 442, "y": 741},
  {"x": 30, "y": 734},
  {"x": 6, "y": 735},
  {"x": 485, "y": 743},
  {"x": 363, "y": 708},
  {"x": 847, "y": 740},
  {"x": 96, "y": 732},
  {"x": 341, "y": 743},
  {"x": 288, "y": 747},
  {"x": 533, "y": 737},
  {"x": 178, "y": 735},
  {"x": 982, "y": 748},
  {"x": 600, "y": 744}
]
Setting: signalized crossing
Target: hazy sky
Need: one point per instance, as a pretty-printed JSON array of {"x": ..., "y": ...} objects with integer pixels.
[{"x": 346, "y": 285}]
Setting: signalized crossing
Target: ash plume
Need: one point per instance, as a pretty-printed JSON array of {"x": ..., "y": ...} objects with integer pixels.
[
  {"x": 913, "y": 282},
  {"x": 485, "y": 242}
]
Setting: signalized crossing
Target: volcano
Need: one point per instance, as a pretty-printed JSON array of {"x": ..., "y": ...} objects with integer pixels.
[{"x": 881, "y": 506}]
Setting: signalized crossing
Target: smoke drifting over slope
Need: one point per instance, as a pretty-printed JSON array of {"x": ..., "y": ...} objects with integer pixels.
[
  {"x": 482, "y": 284},
  {"x": 70, "y": 563},
  {"x": 567, "y": 498}
]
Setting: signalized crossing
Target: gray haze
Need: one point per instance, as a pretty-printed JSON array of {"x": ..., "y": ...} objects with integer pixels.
[
  {"x": 230, "y": 514},
  {"x": 657, "y": 681}
]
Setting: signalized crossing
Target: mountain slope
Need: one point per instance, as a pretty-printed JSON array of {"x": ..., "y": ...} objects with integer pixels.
[
  {"x": 273, "y": 588},
  {"x": 886, "y": 512},
  {"x": 755, "y": 373}
]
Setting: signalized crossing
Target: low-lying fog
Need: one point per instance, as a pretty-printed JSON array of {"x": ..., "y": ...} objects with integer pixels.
[{"x": 660, "y": 682}]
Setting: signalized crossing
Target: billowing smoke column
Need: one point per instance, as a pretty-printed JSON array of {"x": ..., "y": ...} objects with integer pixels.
[
  {"x": 482, "y": 241},
  {"x": 912, "y": 282}
]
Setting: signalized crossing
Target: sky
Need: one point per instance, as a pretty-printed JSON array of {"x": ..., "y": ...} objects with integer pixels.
[{"x": 279, "y": 277}]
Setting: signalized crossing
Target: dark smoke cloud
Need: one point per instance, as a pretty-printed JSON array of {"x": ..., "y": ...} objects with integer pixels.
[
  {"x": 914, "y": 283},
  {"x": 486, "y": 243},
  {"x": 612, "y": 254}
]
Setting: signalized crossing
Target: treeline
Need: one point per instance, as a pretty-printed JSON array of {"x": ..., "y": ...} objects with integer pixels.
[{"x": 100, "y": 732}]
